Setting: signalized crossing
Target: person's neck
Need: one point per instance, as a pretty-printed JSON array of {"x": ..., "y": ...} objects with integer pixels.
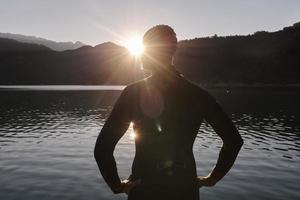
[
  {"x": 165, "y": 76},
  {"x": 163, "y": 70}
]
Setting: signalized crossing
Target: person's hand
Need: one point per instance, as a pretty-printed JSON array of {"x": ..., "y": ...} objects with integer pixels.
[
  {"x": 128, "y": 185},
  {"x": 206, "y": 181}
]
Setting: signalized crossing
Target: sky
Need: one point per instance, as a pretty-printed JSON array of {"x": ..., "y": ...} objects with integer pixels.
[{"x": 97, "y": 21}]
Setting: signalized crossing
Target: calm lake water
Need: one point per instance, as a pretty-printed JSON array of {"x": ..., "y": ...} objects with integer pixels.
[{"x": 47, "y": 138}]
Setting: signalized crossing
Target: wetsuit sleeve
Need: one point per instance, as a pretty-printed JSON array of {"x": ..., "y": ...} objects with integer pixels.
[
  {"x": 113, "y": 129},
  {"x": 232, "y": 141}
]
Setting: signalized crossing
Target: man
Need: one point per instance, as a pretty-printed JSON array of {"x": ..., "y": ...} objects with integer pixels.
[{"x": 166, "y": 111}]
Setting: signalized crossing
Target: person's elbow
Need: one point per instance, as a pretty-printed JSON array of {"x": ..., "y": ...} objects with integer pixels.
[
  {"x": 238, "y": 142},
  {"x": 98, "y": 152},
  {"x": 234, "y": 144},
  {"x": 241, "y": 141},
  {"x": 102, "y": 151}
]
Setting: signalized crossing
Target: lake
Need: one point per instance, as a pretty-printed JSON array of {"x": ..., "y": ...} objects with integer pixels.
[{"x": 48, "y": 133}]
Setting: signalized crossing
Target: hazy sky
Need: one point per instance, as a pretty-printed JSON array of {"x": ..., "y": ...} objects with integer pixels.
[{"x": 97, "y": 21}]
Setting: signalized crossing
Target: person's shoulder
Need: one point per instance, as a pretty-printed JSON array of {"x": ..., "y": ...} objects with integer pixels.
[
  {"x": 134, "y": 86},
  {"x": 195, "y": 87}
]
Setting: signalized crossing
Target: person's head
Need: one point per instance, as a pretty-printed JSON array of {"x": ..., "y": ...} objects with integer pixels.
[{"x": 160, "y": 44}]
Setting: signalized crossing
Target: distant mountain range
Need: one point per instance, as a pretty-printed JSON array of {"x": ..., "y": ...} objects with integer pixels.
[
  {"x": 57, "y": 46},
  {"x": 260, "y": 58}
]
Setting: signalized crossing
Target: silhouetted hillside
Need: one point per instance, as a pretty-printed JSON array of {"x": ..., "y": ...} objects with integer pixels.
[
  {"x": 8, "y": 46},
  {"x": 106, "y": 63},
  {"x": 57, "y": 46},
  {"x": 261, "y": 58}
]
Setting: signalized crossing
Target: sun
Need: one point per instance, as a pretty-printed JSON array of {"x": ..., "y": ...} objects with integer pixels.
[{"x": 135, "y": 45}]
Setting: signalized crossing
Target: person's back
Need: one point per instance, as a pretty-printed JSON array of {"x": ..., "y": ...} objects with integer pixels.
[
  {"x": 166, "y": 111},
  {"x": 167, "y": 116}
]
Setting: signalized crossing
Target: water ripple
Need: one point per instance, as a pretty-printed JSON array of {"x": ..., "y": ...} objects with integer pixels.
[{"x": 46, "y": 149}]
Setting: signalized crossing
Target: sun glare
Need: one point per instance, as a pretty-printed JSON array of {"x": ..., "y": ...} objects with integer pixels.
[
  {"x": 132, "y": 133},
  {"x": 135, "y": 45}
]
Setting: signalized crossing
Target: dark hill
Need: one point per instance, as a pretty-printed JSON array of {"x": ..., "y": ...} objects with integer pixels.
[
  {"x": 103, "y": 64},
  {"x": 12, "y": 46},
  {"x": 261, "y": 58}
]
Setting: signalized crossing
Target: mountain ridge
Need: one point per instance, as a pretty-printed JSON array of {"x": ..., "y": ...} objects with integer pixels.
[
  {"x": 261, "y": 58},
  {"x": 54, "y": 45}
]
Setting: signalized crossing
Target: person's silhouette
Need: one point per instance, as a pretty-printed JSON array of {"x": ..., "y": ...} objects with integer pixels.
[{"x": 166, "y": 111}]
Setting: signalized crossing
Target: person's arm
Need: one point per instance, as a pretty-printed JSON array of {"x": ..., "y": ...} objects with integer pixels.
[
  {"x": 113, "y": 129},
  {"x": 232, "y": 141}
]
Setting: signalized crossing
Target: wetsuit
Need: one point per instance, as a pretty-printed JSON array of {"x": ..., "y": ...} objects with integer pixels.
[{"x": 166, "y": 114}]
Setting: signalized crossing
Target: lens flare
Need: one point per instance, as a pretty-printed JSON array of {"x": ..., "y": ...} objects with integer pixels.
[
  {"x": 135, "y": 45},
  {"x": 132, "y": 134}
]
